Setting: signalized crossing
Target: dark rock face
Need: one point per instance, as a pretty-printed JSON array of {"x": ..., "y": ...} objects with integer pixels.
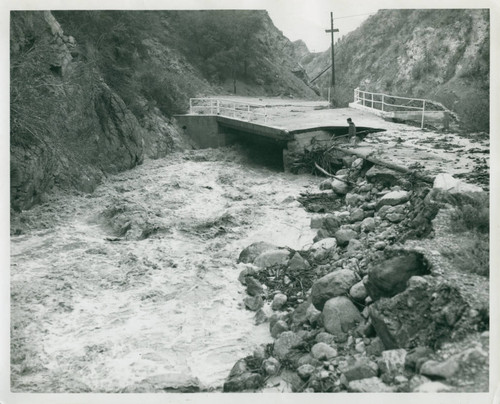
[
  {"x": 68, "y": 127},
  {"x": 419, "y": 316},
  {"x": 389, "y": 277}
]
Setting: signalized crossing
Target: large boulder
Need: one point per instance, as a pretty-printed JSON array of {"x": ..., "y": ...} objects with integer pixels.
[
  {"x": 336, "y": 283},
  {"x": 389, "y": 277},
  {"x": 425, "y": 314},
  {"x": 340, "y": 315},
  {"x": 251, "y": 252},
  {"x": 278, "y": 256}
]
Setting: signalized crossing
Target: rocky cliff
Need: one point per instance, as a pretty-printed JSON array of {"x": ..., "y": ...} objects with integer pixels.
[
  {"x": 94, "y": 92},
  {"x": 68, "y": 127},
  {"x": 442, "y": 55}
]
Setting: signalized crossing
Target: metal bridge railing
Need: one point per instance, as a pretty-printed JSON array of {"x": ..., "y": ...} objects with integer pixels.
[
  {"x": 229, "y": 108},
  {"x": 391, "y": 103}
]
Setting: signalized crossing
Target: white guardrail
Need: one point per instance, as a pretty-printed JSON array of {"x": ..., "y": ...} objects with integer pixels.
[
  {"x": 229, "y": 108},
  {"x": 391, "y": 103}
]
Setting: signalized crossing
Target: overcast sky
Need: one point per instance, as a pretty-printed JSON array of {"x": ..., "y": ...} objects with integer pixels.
[{"x": 308, "y": 20}]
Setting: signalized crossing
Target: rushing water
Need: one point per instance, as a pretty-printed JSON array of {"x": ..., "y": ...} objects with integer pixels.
[{"x": 134, "y": 288}]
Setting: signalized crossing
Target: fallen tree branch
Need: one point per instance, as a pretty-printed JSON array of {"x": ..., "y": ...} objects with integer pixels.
[
  {"x": 331, "y": 175},
  {"x": 391, "y": 166}
]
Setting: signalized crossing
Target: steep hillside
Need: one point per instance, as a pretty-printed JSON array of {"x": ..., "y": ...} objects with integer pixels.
[
  {"x": 94, "y": 92},
  {"x": 442, "y": 55}
]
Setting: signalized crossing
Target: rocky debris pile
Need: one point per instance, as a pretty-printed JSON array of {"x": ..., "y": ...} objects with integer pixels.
[{"x": 358, "y": 311}]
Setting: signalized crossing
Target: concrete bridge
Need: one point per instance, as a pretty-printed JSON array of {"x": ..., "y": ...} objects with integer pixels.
[{"x": 282, "y": 132}]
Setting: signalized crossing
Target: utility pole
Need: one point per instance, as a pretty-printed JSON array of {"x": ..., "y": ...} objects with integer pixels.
[{"x": 332, "y": 30}]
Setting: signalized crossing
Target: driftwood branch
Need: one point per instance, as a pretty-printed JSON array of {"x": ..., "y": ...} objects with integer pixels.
[
  {"x": 331, "y": 175},
  {"x": 392, "y": 166}
]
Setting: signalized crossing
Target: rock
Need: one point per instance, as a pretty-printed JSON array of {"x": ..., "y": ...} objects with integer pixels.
[
  {"x": 323, "y": 249},
  {"x": 339, "y": 187},
  {"x": 376, "y": 347},
  {"x": 389, "y": 277},
  {"x": 326, "y": 184},
  {"x": 416, "y": 381},
  {"x": 358, "y": 291},
  {"x": 260, "y": 317},
  {"x": 357, "y": 215},
  {"x": 443, "y": 370},
  {"x": 416, "y": 357},
  {"x": 354, "y": 245},
  {"x": 298, "y": 263},
  {"x": 279, "y": 301},
  {"x": 452, "y": 185},
  {"x": 254, "y": 287},
  {"x": 383, "y": 211},
  {"x": 333, "y": 284},
  {"x": 357, "y": 164},
  {"x": 317, "y": 222},
  {"x": 246, "y": 381},
  {"x": 380, "y": 245},
  {"x": 392, "y": 362},
  {"x": 305, "y": 371},
  {"x": 343, "y": 236},
  {"x": 251, "y": 252},
  {"x": 299, "y": 315},
  {"x": 368, "y": 224},
  {"x": 432, "y": 387},
  {"x": 359, "y": 368},
  {"x": 369, "y": 385},
  {"x": 383, "y": 176},
  {"x": 415, "y": 317},
  {"x": 308, "y": 359},
  {"x": 247, "y": 272},
  {"x": 253, "y": 303},
  {"x": 272, "y": 257},
  {"x": 352, "y": 199},
  {"x": 394, "y": 217},
  {"x": 284, "y": 344},
  {"x": 325, "y": 337},
  {"x": 331, "y": 223},
  {"x": 271, "y": 366},
  {"x": 393, "y": 198},
  {"x": 292, "y": 379},
  {"x": 449, "y": 367},
  {"x": 320, "y": 235},
  {"x": 340, "y": 315},
  {"x": 400, "y": 379},
  {"x": 312, "y": 314},
  {"x": 323, "y": 351},
  {"x": 278, "y": 328}
]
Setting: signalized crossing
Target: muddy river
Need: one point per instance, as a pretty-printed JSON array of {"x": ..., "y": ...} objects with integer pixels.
[{"x": 134, "y": 288}]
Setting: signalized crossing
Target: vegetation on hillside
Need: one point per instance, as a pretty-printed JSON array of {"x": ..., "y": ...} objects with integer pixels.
[
  {"x": 442, "y": 55},
  {"x": 162, "y": 58}
]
